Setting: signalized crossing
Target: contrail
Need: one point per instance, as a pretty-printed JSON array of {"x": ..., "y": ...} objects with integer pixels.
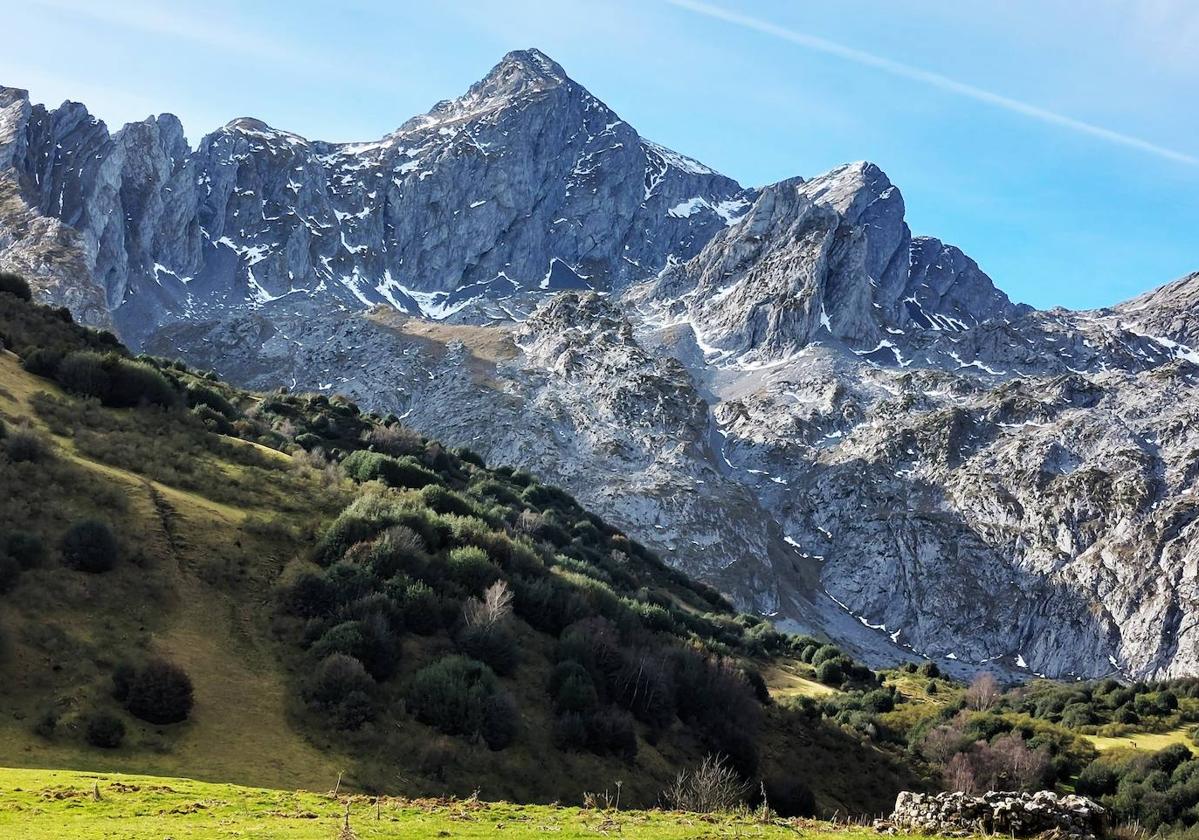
[{"x": 907, "y": 71}]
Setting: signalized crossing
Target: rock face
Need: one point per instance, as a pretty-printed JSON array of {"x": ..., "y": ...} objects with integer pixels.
[
  {"x": 1010, "y": 814},
  {"x": 525, "y": 182},
  {"x": 845, "y": 427}
]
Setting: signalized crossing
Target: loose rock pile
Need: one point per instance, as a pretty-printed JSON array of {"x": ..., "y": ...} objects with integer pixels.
[{"x": 995, "y": 812}]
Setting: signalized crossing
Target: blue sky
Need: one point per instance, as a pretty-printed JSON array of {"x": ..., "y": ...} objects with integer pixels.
[{"x": 1059, "y": 149}]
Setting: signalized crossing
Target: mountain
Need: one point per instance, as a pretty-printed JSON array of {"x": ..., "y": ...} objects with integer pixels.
[
  {"x": 843, "y": 426},
  {"x": 525, "y": 182}
]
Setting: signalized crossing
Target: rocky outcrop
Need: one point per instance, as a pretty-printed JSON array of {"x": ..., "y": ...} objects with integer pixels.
[{"x": 1001, "y": 813}]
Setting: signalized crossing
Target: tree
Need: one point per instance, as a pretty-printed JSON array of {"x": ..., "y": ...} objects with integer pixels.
[
  {"x": 89, "y": 546},
  {"x": 983, "y": 692}
]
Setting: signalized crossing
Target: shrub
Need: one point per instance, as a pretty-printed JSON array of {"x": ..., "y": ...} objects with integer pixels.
[
  {"x": 89, "y": 546},
  {"x": 712, "y": 787},
  {"x": 501, "y": 720},
  {"x": 470, "y": 567},
  {"x": 572, "y": 688},
  {"x": 26, "y": 548},
  {"x": 370, "y": 641},
  {"x": 42, "y": 361},
  {"x": 83, "y": 372},
  {"x": 25, "y": 446},
  {"x": 826, "y": 653},
  {"x": 395, "y": 472},
  {"x": 492, "y": 644},
  {"x": 122, "y": 678},
  {"x": 829, "y": 672},
  {"x": 115, "y": 381},
  {"x": 929, "y": 669},
  {"x": 201, "y": 395},
  {"x": 307, "y": 595},
  {"x": 160, "y": 692},
  {"x": 337, "y": 680},
  {"x": 452, "y": 695},
  {"x": 605, "y": 731},
  {"x": 421, "y": 608},
  {"x": 105, "y": 730},
  {"x": 14, "y": 284}
]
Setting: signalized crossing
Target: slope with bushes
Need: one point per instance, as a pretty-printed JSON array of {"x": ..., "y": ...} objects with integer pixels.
[{"x": 280, "y": 589}]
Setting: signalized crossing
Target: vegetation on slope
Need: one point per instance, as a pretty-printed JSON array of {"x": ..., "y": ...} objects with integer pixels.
[{"x": 277, "y": 588}]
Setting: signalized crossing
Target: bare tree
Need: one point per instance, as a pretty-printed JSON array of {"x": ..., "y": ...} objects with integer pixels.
[
  {"x": 712, "y": 787},
  {"x": 959, "y": 773},
  {"x": 493, "y": 609},
  {"x": 983, "y": 692}
]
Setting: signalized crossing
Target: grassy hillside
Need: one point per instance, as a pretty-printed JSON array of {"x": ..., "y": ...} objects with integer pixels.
[
  {"x": 47, "y": 805},
  {"x": 312, "y": 569}
]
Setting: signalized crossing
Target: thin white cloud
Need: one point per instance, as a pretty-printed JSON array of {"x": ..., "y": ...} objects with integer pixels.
[{"x": 937, "y": 80}]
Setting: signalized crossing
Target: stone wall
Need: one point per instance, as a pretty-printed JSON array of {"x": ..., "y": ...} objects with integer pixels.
[{"x": 1013, "y": 814}]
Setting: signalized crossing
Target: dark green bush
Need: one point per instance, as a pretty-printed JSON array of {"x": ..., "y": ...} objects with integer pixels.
[
  {"x": 370, "y": 641},
  {"x": 14, "y": 284},
  {"x": 572, "y": 688},
  {"x": 787, "y": 796},
  {"x": 501, "y": 720},
  {"x": 114, "y": 380},
  {"x": 25, "y": 446},
  {"x": 470, "y": 567},
  {"x": 160, "y": 692},
  {"x": 89, "y": 546},
  {"x": 42, "y": 361},
  {"x": 452, "y": 696},
  {"x": 341, "y": 689},
  {"x": 826, "y": 653},
  {"x": 26, "y": 548},
  {"x": 493, "y": 644},
  {"x": 201, "y": 395},
  {"x": 307, "y": 595},
  {"x": 395, "y": 472},
  {"x": 105, "y": 730},
  {"x": 829, "y": 672}
]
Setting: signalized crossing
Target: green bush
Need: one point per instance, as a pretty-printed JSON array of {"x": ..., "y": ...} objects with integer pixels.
[
  {"x": 370, "y": 641},
  {"x": 492, "y": 644},
  {"x": 452, "y": 695},
  {"x": 572, "y": 688},
  {"x": 160, "y": 692},
  {"x": 829, "y": 672},
  {"x": 341, "y": 689},
  {"x": 501, "y": 720},
  {"x": 25, "y": 446},
  {"x": 14, "y": 284},
  {"x": 470, "y": 567},
  {"x": 395, "y": 472},
  {"x": 420, "y": 606},
  {"x": 26, "y": 548},
  {"x": 201, "y": 395},
  {"x": 42, "y": 361},
  {"x": 105, "y": 730},
  {"x": 89, "y": 546},
  {"x": 826, "y": 653},
  {"x": 115, "y": 381}
]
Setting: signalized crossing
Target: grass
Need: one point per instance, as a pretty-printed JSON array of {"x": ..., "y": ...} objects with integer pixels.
[
  {"x": 1146, "y": 741},
  {"x": 51, "y": 804},
  {"x": 791, "y": 679}
]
